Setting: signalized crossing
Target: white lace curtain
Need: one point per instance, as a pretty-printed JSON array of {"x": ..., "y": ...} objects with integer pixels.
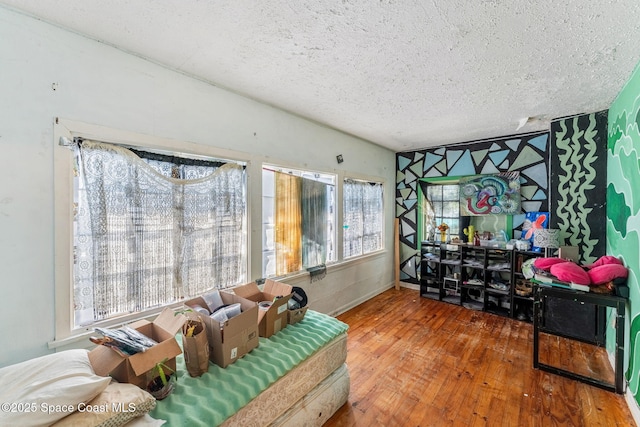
[
  {"x": 149, "y": 233},
  {"x": 363, "y": 217}
]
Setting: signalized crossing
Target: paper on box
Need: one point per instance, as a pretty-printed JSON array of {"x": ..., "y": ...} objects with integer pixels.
[{"x": 134, "y": 369}]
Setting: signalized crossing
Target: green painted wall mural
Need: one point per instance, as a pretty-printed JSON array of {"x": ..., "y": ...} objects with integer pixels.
[{"x": 623, "y": 208}]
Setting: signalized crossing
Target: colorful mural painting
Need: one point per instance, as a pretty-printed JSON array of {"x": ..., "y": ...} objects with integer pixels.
[
  {"x": 578, "y": 179},
  {"x": 490, "y": 194},
  {"x": 534, "y": 221},
  {"x": 526, "y": 154},
  {"x": 623, "y": 207}
]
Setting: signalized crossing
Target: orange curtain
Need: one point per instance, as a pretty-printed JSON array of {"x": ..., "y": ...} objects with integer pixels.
[{"x": 288, "y": 218}]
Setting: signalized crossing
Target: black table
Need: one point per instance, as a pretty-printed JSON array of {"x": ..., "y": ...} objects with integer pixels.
[{"x": 541, "y": 292}]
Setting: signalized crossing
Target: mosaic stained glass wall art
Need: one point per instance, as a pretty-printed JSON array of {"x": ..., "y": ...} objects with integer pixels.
[{"x": 526, "y": 154}]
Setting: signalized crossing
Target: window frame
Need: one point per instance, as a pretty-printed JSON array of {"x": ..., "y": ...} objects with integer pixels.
[
  {"x": 65, "y": 331},
  {"x": 302, "y": 173},
  {"x": 422, "y": 197},
  {"x": 463, "y": 222},
  {"x": 443, "y": 202},
  {"x": 368, "y": 181}
]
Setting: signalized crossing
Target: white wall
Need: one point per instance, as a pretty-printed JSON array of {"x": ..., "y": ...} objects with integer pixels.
[{"x": 101, "y": 85}]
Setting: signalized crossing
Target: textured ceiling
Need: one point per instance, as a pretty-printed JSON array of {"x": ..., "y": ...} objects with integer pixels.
[{"x": 402, "y": 74}]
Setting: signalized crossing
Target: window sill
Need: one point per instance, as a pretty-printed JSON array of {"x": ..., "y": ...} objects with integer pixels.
[
  {"x": 334, "y": 266},
  {"x": 358, "y": 260}
]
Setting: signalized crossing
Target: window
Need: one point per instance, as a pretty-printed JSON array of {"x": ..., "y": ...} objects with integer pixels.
[
  {"x": 298, "y": 217},
  {"x": 152, "y": 229},
  {"x": 441, "y": 204},
  {"x": 363, "y": 217}
]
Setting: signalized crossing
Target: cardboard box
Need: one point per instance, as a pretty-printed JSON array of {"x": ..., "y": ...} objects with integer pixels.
[
  {"x": 136, "y": 369},
  {"x": 276, "y": 317},
  {"x": 297, "y": 315},
  {"x": 236, "y": 337}
]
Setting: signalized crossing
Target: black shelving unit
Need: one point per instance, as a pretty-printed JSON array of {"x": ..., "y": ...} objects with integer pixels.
[
  {"x": 450, "y": 261},
  {"x": 430, "y": 282},
  {"x": 522, "y": 301},
  {"x": 473, "y": 269},
  {"x": 476, "y": 277},
  {"x": 498, "y": 285}
]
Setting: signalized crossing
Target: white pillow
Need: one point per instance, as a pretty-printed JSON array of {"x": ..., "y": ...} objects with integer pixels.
[
  {"x": 43, "y": 390},
  {"x": 118, "y": 404}
]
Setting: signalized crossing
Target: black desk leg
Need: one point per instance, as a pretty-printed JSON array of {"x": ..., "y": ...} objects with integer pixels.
[
  {"x": 536, "y": 319},
  {"x": 619, "y": 351}
]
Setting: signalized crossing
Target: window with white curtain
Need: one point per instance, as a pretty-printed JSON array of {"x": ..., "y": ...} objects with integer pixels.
[
  {"x": 363, "y": 217},
  {"x": 298, "y": 218},
  {"x": 153, "y": 230}
]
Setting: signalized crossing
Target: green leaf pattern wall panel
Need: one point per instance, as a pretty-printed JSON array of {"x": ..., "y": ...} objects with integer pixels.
[
  {"x": 578, "y": 178},
  {"x": 525, "y": 153},
  {"x": 623, "y": 207}
]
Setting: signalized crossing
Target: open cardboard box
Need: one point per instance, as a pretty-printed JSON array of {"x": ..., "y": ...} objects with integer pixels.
[
  {"x": 235, "y": 337},
  {"x": 135, "y": 369},
  {"x": 298, "y": 297},
  {"x": 276, "y": 317},
  {"x": 297, "y": 315}
]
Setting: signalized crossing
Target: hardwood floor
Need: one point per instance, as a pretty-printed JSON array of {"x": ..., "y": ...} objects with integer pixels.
[{"x": 418, "y": 362}]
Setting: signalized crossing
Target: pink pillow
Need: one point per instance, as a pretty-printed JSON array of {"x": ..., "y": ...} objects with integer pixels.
[
  {"x": 606, "y": 273},
  {"x": 604, "y": 260},
  {"x": 546, "y": 263},
  {"x": 568, "y": 271}
]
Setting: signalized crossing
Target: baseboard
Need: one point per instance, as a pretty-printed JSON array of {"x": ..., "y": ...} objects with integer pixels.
[
  {"x": 360, "y": 300},
  {"x": 410, "y": 286},
  {"x": 370, "y": 295},
  {"x": 632, "y": 404}
]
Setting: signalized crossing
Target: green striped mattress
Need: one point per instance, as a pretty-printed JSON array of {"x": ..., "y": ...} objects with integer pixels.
[{"x": 210, "y": 399}]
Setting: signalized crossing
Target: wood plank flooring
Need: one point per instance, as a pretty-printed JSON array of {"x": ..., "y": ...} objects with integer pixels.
[{"x": 418, "y": 362}]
